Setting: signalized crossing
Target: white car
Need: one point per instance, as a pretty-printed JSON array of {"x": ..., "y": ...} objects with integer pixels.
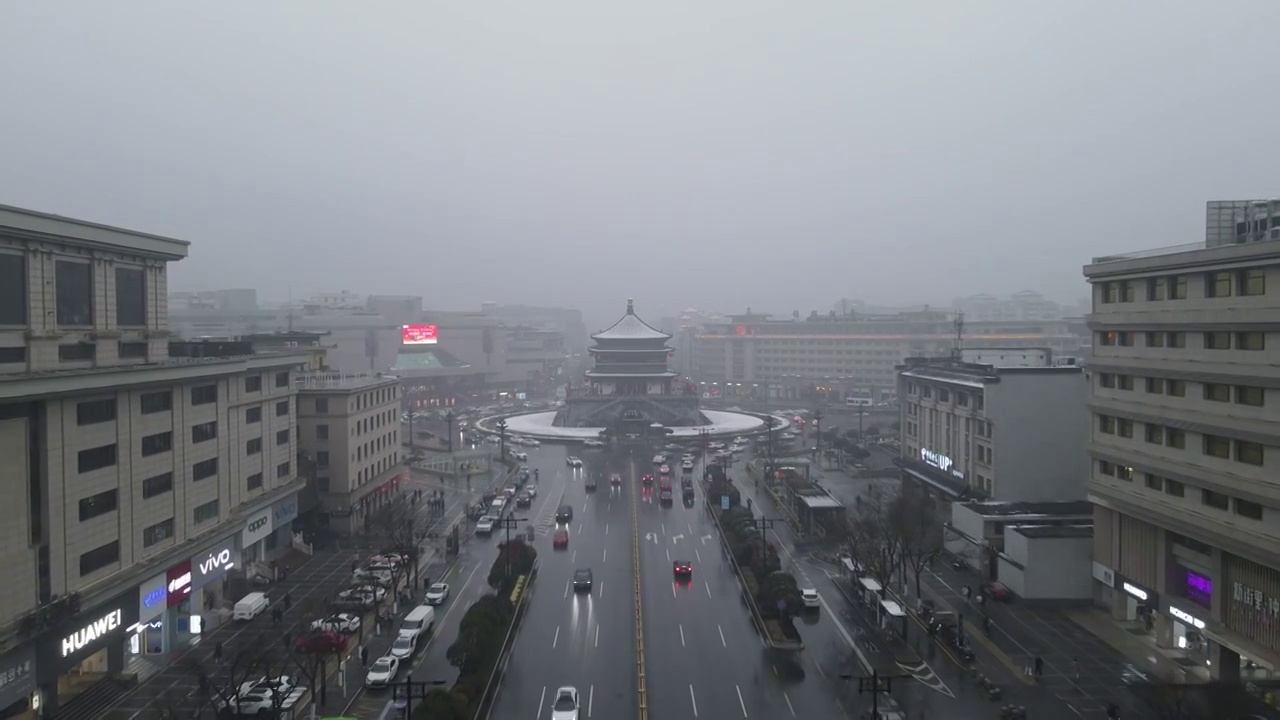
[
  {"x": 347, "y": 623},
  {"x": 810, "y": 598},
  {"x": 387, "y": 560},
  {"x": 281, "y": 684},
  {"x": 593, "y": 443},
  {"x": 687, "y": 465},
  {"x": 382, "y": 672},
  {"x": 484, "y": 526},
  {"x": 263, "y": 701},
  {"x": 437, "y": 594},
  {"x": 404, "y": 646},
  {"x": 521, "y": 456},
  {"x": 363, "y": 591},
  {"x": 565, "y": 706},
  {"x": 574, "y": 461},
  {"x": 659, "y": 459}
]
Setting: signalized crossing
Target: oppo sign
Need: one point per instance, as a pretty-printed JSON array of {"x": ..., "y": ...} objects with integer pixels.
[{"x": 258, "y": 527}]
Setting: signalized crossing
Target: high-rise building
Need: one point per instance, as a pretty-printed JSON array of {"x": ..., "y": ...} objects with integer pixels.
[
  {"x": 134, "y": 481},
  {"x": 1185, "y": 447}
]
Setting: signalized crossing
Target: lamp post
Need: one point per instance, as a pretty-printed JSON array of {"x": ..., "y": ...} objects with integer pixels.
[
  {"x": 508, "y": 524},
  {"x": 764, "y": 524},
  {"x": 877, "y": 685},
  {"x": 409, "y": 690},
  {"x": 771, "y": 422},
  {"x": 817, "y": 434},
  {"x": 451, "y": 417},
  {"x": 502, "y": 439}
]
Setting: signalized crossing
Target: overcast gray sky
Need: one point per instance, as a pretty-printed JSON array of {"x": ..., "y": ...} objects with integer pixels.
[{"x": 710, "y": 153}]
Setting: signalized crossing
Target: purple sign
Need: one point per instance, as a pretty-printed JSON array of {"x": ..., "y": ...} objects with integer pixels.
[{"x": 1199, "y": 588}]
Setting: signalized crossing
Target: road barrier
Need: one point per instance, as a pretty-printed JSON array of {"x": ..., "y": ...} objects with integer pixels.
[{"x": 642, "y": 690}]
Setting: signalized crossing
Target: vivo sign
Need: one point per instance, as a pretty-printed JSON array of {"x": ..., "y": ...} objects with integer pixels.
[
  {"x": 212, "y": 564},
  {"x": 99, "y": 628},
  {"x": 221, "y": 561}
]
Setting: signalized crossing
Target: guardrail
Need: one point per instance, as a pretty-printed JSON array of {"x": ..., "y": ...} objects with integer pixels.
[
  {"x": 642, "y": 688},
  {"x": 485, "y": 707}
]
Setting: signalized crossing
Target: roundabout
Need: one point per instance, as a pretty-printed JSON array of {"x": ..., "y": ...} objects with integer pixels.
[{"x": 538, "y": 426}]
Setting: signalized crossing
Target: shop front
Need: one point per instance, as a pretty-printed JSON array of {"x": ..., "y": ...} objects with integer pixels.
[
  {"x": 165, "y": 618},
  {"x": 1135, "y": 601},
  {"x": 209, "y": 571},
  {"x": 1187, "y": 631},
  {"x": 256, "y": 530},
  {"x": 267, "y": 532},
  {"x": 85, "y": 650},
  {"x": 18, "y": 697},
  {"x": 1251, "y": 611}
]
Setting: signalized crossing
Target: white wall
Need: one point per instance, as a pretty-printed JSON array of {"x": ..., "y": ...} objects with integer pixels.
[
  {"x": 1041, "y": 429},
  {"x": 1053, "y": 568}
]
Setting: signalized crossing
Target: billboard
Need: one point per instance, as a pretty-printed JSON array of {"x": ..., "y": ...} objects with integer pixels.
[{"x": 418, "y": 334}]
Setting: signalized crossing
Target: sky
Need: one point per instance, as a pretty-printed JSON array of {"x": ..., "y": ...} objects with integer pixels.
[{"x": 716, "y": 154}]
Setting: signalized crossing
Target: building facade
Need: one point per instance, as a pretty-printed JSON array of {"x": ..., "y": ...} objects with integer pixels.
[
  {"x": 134, "y": 480},
  {"x": 1185, "y": 447},
  {"x": 349, "y": 433}
]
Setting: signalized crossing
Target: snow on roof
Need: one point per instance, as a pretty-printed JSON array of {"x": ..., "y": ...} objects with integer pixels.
[{"x": 631, "y": 327}]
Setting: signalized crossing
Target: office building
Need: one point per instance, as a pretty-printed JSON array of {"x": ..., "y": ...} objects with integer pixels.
[{"x": 1185, "y": 446}]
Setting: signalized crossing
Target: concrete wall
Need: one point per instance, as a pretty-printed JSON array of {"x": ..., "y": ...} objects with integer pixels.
[
  {"x": 1040, "y": 429},
  {"x": 18, "y": 593},
  {"x": 1052, "y": 568}
]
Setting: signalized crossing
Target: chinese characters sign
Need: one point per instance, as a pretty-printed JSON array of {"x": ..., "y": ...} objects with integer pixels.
[{"x": 1256, "y": 599}]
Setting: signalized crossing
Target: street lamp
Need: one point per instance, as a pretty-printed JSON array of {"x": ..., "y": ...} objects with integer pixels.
[
  {"x": 877, "y": 685},
  {"x": 451, "y": 417},
  {"x": 410, "y": 690},
  {"x": 771, "y": 422},
  {"x": 502, "y": 439},
  {"x": 508, "y": 523},
  {"x": 817, "y": 432}
]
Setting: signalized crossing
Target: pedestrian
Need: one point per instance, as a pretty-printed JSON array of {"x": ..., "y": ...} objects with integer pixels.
[
  {"x": 426, "y": 582},
  {"x": 1075, "y": 670},
  {"x": 288, "y": 639},
  {"x": 217, "y": 652},
  {"x": 1039, "y": 663},
  {"x": 364, "y": 656},
  {"x": 288, "y": 600},
  {"x": 284, "y": 572}
]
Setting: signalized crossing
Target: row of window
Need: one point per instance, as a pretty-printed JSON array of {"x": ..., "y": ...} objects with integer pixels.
[
  {"x": 1217, "y": 284},
  {"x": 1174, "y": 488},
  {"x": 73, "y": 293},
  {"x": 944, "y": 395},
  {"x": 1213, "y": 392},
  {"x": 253, "y": 383},
  {"x": 106, "y": 555},
  {"x": 1217, "y": 446},
  {"x": 109, "y": 500},
  {"x": 91, "y": 412},
  {"x": 1216, "y": 340}
]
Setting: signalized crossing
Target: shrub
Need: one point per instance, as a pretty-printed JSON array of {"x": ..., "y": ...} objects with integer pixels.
[
  {"x": 779, "y": 587},
  {"x": 480, "y": 636},
  {"x": 522, "y": 558},
  {"x": 439, "y": 704}
]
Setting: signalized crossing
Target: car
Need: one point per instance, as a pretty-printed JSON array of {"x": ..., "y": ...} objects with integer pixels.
[
  {"x": 582, "y": 579},
  {"x": 665, "y": 497},
  {"x": 259, "y": 702},
  {"x": 593, "y": 443},
  {"x": 689, "y": 497},
  {"x": 324, "y": 641},
  {"x": 484, "y": 526},
  {"x": 521, "y": 456},
  {"x": 647, "y": 479},
  {"x": 382, "y": 672},
  {"x": 665, "y": 470},
  {"x": 523, "y": 500},
  {"x": 532, "y": 443},
  {"x": 437, "y": 594},
  {"x": 363, "y": 594},
  {"x": 564, "y": 514},
  {"x": 560, "y": 540},
  {"x": 404, "y": 646},
  {"x": 282, "y": 684},
  {"x": 338, "y": 622},
  {"x": 365, "y": 576},
  {"x": 615, "y": 480},
  {"x": 589, "y": 485},
  {"x": 686, "y": 483},
  {"x": 682, "y": 569},
  {"x": 565, "y": 706},
  {"x": 810, "y": 598},
  {"x": 659, "y": 459},
  {"x": 390, "y": 559},
  {"x": 574, "y": 461},
  {"x": 687, "y": 466}
]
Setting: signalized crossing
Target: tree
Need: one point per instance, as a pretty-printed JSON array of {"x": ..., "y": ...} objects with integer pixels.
[
  {"x": 874, "y": 539},
  {"x": 312, "y": 666},
  {"x": 439, "y": 704},
  {"x": 915, "y": 518},
  {"x": 522, "y": 558},
  {"x": 218, "y": 684},
  {"x": 780, "y": 593},
  {"x": 401, "y": 531},
  {"x": 873, "y": 431},
  {"x": 480, "y": 635}
]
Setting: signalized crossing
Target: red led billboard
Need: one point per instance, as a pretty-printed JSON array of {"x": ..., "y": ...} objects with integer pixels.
[{"x": 418, "y": 334}]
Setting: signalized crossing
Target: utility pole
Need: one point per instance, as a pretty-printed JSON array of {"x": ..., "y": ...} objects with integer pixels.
[
  {"x": 450, "y": 417},
  {"x": 817, "y": 433},
  {"x": 764, "y": 524},
  {"x": 877, "y": 685},
  {"x": 771, "y": 422},
  {"x": 509, "y": 523},
  {"x": 502, "y": 439},
  {"x": 412, "y": 447},
  {"x": 408, "y": 690}
]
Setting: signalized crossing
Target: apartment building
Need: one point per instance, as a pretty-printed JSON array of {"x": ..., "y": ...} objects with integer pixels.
[
  {"x": 349, "y": 431},
  {"x": 134, "y": 481},
  {"x": 829, "y": 358},
  {"x": 1185, "y": 447}
]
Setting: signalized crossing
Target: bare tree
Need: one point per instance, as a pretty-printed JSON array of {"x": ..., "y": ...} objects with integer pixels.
[
  {"x": 218, "y": 683},
  {"x": 310, "y": 664},
  {"x": 402, "y": 531},
  {"x": 915, "y": 517},
  {"x": 874, "y": 537}
]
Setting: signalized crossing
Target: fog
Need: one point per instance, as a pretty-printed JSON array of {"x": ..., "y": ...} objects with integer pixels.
[{"x": 720, "y": 154}]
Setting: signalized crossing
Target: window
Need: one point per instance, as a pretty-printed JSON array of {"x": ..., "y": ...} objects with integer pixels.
[
  {"x": 1217, "y": 284},
  {"x": 204, "y": 394},
  {"x": 1107, "y": 424},
  {"x": 944, "y": 395},
  {"x": 253, "y": 384},
  {"x": 1155, "y": 339},
  {"x": 1106, "y": 380},
  {"x": 1251, "y": 282},
  {"x": 131, "y": 297},
  {"x": 1217, "y": 392},
  {"x": 204, "y": 432},
  {"x": 1107, "y": 339},
  {"x": 1217, "y": 341},
  {"x": 322, "y": 432},
  {"x": 1174, "y": 488},
  {"x": 1124, "y": 428},
  {"x": 282, "y": 470},
  {"x": 206, "y": 512},
  {"x": 93, "y": 412},
  {"x": 1254, "y": 396},
  {"x": 156, "y": 444},
  {"x": 253, "y": 415},
  {"x": 158, "y": 485},
  {"x": 13, "y": 289},
  {"x": 76, "y": 352},
  {"x": 1217, "y": 446},
  {"x": 253, "y": 447},
  {"x": 97, "y": 458},
  {"x": 1249, "y": 452},
  {"x": 1177, "y": 287},
  {"x": 1175, "y": 438},
  {"x": 322, "y": 459},
  {"x": 204, "y": 469},
  {"x": 132, "y": 350},
  {"x": 1251, "y": 341},
  {"x": 1176, "y": 388},
  {"x": 100, "y": 504},
  {"x": 1125, "y": 382},
  {"x": 74, "y": 293},
  {"x": 100, "y": 557},
  {"x": 157, "y": 533},
  {"x": 282, "y": 437},
  {"x": 1110, "y": 293},
  {"x": 1156, "y": 288},
  {"x": 1175, "y": 339},
  {"x": 1155, "y": 434},
  {"x": 10, "y": 355},
  {"x": 282, "y": 408},
  {"x": 282, "y": 379},
  {"x": 1128, "y": 291},
  {"x": 1155, "y": 482},
  {"x": 155, "y": 402},
  {"x": 254, "y": 482},
  {"x": 1125, "y": 339},
  {"x": 1251, "y": 510},
  {"x": 1124, "y": 472},
  {"x": 1106, "y": 468},
  {"x": 1155, "y": 386},
  {"x": 322, "y": 406},
  {"x": 1215, "y": 499}
]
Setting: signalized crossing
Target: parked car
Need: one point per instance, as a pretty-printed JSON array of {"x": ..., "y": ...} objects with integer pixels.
[
  {"x": 484, "y": 526},
  {"x": 382, "y": 672},
  {"x": 338, "y": 622},
  {"x": 279, "y": 684},
  {"x": 437, "y": 594}
]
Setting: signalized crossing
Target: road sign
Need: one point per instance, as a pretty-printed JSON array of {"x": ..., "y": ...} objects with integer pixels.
[{"x": 724, "y": 502}]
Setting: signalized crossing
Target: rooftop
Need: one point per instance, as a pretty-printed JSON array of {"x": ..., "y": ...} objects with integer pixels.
[
  {"x": 34, "y": 225},
  {"x": 339, "y": 381},
  {"x": 1011, "y": 510},
  {"x": 1055, "y": 531},
  {"x": 631, "y": 327},
  {"x": 435, "y": 359}
]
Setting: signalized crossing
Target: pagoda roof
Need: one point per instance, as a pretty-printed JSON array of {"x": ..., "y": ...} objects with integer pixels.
[
  {"x": 631, "y": 327},
  {"x": 654, "y": 375}
]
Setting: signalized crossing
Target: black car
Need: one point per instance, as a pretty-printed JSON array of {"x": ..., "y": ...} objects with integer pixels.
[
  {"x": 689, "y": 498},
  {"x": 665, "y": 497},
  {"x": 582, "y": 580},
  {"x": 590, "y": 484},
  {"x": 524, "y": 500},
  {"x": 564, "y": 514}
]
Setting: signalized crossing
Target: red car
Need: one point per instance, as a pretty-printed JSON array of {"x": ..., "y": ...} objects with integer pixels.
[
  {"x": 648, "y": 478},
  {"x": 560, "y": 540},
  {"x": 321, "y": 642},
  {"x": 665, "y": 469},
  {"x": 683, "y": 569}
]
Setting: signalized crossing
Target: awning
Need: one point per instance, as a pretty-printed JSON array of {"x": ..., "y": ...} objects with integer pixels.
[
  {"x": 892, "y": 608},
  {"x": 870, "y": 584},
  {"x": 820, "y": 502}
]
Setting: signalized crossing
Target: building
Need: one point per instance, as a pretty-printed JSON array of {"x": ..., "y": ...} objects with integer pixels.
[
  {"x": 136, "y": 482},
  {"x": 1039, "y": 551},
  {"x": 534, "y": 359},
  {"x": 315, "y": 344},
  {"x": 1009, "y": 434},
  {"x": 1023, "y": 306},
  {"x": 629, "y": 382},
  {"x": 567, "y": 321},
  {"x": 1232, "y": 222},
  {"x": 825, "y": 359},
  {"x": 1185, "y": 447},
  {"x": 349, "y": 434}
]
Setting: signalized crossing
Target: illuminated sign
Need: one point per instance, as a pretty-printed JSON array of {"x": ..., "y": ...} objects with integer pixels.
[
  {"x": 1136, "y": 591},
  {"x": 216, "y": 562},
  {"x": 940, "y": 461},
  {"x": 95, "y": 630},
  {"x": 154, "y": 597},
  {"x": 1186, "y": 618},
  {"x": 419, "y": 334},
  {"x": 1256, "y": 599},
  {"x": 178, "y": 582},
  {"x": 212, "y": 564}
]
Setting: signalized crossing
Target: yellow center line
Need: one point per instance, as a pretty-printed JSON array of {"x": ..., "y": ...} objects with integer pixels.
[{"x": 642, "y": 692}]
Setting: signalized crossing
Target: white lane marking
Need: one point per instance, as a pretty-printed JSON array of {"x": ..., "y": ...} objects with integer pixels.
[
  {"x": 708, "y": 586},
  {"x": 668, "y": 555},
  {"x": 697, "y": 555},
  {"x": 664, "y": 528},
  {"x": 601, "y": 593},
  {"x": 818, "y": 667},
  {"x": 784, "y": 697},
  {"x": 606, "y": 556},
  {"x": 693, "y": 699},
  {"x": 690, "y": 528},
  {"x": 574, "y": 556},
  {"x": 567, "y": 584},
  {"x": 673, "y": 590},
  {"x": 681, "y": 635},
  {"x": 741, "y": 704},
  {"x": 555, "y": 639},
  {"x": 845, "y": 634},
  {"x": 606, "y": 528},
  {"x": 597, "y": 636},
  {"x": 722, "y": 642},
  {"x": 591, "y": 700},
  {"x": 541, "y": 700}
]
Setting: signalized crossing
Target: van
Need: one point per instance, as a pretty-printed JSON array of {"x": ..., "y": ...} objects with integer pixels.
[
  {"x": 497, "y": 506},
  {"x": 419, "y": 620},
  {"x": 249, "y": 606}
]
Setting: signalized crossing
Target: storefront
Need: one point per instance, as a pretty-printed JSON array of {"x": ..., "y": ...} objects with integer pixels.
[
  {"x": 1188, "y": 624},
  {"x": 208, "y": 583},
  {"x": 165, "y": 618},
  {"x": 1135, "y": 601},
  {"x": 267, "y": 532},
  {"x": 85, "y": 650},
  {"x": 18, "y": 683}
]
